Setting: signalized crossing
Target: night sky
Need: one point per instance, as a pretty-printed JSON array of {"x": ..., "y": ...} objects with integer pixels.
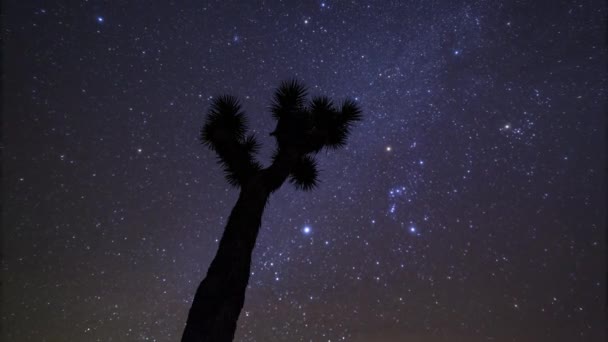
[{"x": 469, "y": 205}]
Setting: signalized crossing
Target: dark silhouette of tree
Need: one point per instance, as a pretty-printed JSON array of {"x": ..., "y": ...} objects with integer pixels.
[{"x": 303, "y": 129}]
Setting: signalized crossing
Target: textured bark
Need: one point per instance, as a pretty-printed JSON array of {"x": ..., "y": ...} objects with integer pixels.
[{"x": 220, "y": 297}]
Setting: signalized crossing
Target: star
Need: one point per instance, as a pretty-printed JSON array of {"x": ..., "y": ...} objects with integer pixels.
[{"x": 307, "y": 230}]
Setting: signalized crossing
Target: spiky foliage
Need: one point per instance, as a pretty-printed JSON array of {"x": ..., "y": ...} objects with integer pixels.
[
  {"x": 341, "y": 124},
  {"x": 224, "y": 133},
  {"x": 303, "y": 128},
  {"x": 304, "y": 175},
  {"x": 308, "y": 128},
  {"x": 290, "y": 97}
]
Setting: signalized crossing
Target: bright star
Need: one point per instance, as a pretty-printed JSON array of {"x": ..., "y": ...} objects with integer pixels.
[
  {"x": 388, "y": 148},
  {"x": 306, "y": 230},
  {"x": 413, "y": 229}
]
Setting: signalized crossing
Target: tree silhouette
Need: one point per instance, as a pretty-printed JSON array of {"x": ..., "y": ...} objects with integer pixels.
[{"x": 303, "y": 129}]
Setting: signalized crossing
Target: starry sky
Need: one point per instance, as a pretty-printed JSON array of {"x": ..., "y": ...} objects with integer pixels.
[{"x": 469, "y": 205}]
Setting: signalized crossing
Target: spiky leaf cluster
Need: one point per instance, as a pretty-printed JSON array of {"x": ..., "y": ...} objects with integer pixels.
[
  {"x": 308, "y": 128},
  {"x": 303, "y": 129},
  {"x": 315, "y": 126},
  {"x": 288, "y": 99},
  {"x": 304, "y": 175},
  {"x": 224, "y": 133},
  {"x": 341, "y": 124}
]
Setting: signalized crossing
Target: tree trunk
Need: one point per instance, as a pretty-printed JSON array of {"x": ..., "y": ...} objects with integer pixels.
[{"x": 220, "y": 296}]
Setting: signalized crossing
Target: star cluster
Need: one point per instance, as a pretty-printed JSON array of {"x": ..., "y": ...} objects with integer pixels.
[{"x": 469, "y": 205}]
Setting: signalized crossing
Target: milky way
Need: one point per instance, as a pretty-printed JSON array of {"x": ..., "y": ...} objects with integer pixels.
[{"x": 469, "y": 205}]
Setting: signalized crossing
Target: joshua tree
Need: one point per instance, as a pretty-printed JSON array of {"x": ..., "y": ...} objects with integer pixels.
[{"x": 302, "y": 130}]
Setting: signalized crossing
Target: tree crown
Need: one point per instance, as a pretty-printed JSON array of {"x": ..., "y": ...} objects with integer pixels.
[{"x": 303, "y": 128}]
